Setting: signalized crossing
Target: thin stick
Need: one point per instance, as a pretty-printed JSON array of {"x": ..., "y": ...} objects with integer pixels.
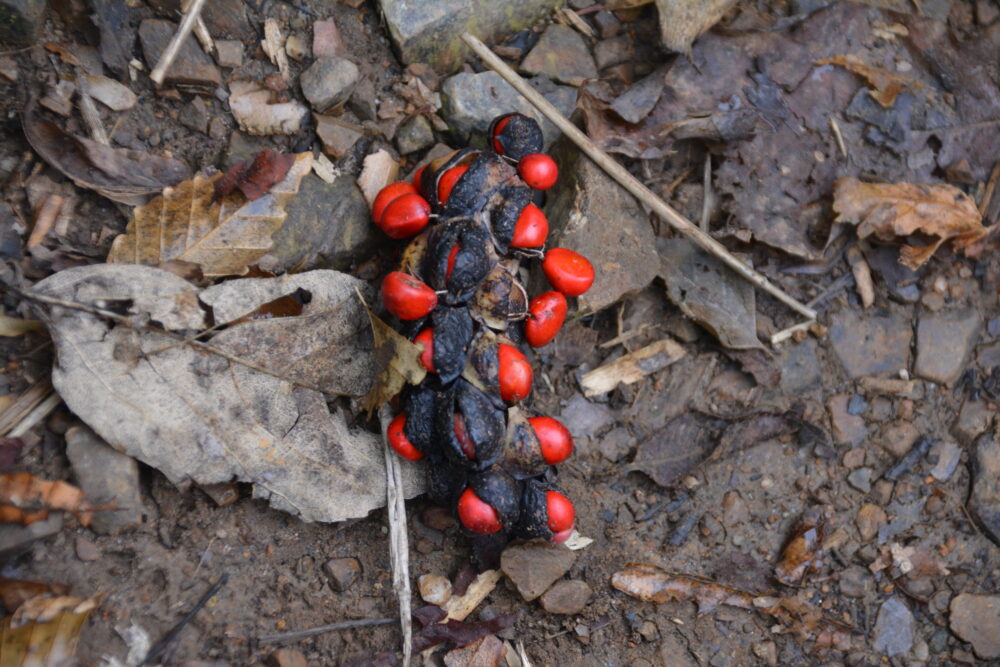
[
  {"x": 46, "y": 218},
  {"x": 684, "y": 226},
  {"x": 89, "y": 110},
  {"x": 40, "y": 412},
  {"x": 23, "y": 405},
  {"x": 183, "y": 30},
  {"x": 333, "y": 627},
  {"x": 163, "y": 647},
  {"x": 991, "y": 187},
  {"x": 399, "y": 548}
]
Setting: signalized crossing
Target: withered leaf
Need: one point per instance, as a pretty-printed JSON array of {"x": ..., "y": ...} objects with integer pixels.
[
  {"x": 289, "y": 305},
  {"x": 887, "y": 85},
  {"x": 803, "y": 554},
  {"x": 892, "y": 210},
  {"x": 25, "y": 499},
  {"x": 397, "y": 362},
  {"x": 224, "y": 236},
  {"x": 460, "y": 633},
  {"x": 121, "y": 174},
  {"x": 256, "y": 177},
  {"x": 486, "y": 652},
  {"x": 632, "y": 367},
  {"x": 14, "y": 592},
  {"x": 44, "y": 631}
]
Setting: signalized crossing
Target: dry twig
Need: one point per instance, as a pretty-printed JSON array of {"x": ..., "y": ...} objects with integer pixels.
[
  {"x": 399, "y": 548},
  {"x": 183, "y": 30},
  {"x": 319, "y": 630}
]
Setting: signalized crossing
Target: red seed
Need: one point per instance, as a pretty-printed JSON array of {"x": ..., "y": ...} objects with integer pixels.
[
  {"x": 387, "y": 194},
  {"x": 538, "y": 170},
  {"x": 468, "y": 447},
  {"x": 515, "y": 373},
  {"x": 497, "y": 129},
  {"x": 561, "y": 512},
  {"x": 405, "y": 216},
  {"x": 548, "y": 312},
  {"x": 426, "y": 339},
  {"x": 562, "y": 535},
  {"x": 532, "y": 228},
  {"x": 398, "y": 440},
  {"x": 417, "y": 175},
  {"x": 555, "y": 439},
  {"x": 452, "y": 254},
  {"x": 406, "y": 297},
  {"x": 476, "y": 514},
  {"x": 568, "y": 271},
  {"x": 448, "y": 180}
]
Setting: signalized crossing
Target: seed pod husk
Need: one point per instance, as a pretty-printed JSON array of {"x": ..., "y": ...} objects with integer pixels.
[
  {"x": 419, "y": 406},
  {"x": 487, "y": 173},
  {"x": 452, "y": 335},
  {"x": 500, "y": 490},
  {"x": 521, "y": 453},
  {"x": 503, "y": 210},
  {"x": 484, "y": 363},
  {"x": 500, "y": 297},
  {"x": 484, "y": 425},
  {"x": 520, "y": 136},
  {"x": 472, "y": 263},
  {"x": 534, "y": 518}
]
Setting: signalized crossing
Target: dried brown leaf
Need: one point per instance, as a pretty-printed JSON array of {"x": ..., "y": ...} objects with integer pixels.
[
  {"x": 887, "y": 85},
  {"x": 632, "y": 367},
  {"x": 14, "y": 592},
  {"x": 486, "y": 652},
  {"x": 25, "y": 499},
  {"x": 893, "y": 210},
  {"x": 256, "y": 177},
  {"x": 380, "y": 169},
  {"x": 803, "y": 554},
  {"x": 397, "y": 361},
  {"x": 223, "y": 236},
  {"x": 44, "y": 631}
]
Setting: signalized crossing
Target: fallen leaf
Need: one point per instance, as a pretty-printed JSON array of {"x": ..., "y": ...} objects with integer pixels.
[
  {"x": 892, "y": 210},
  {"x": 486, "y": 652},
  {"x": 379, "y": 169},
  {"x": 256, "y": 177},
  {"x": 14, "y": 592},
  {"x": 887, "y": 85},
  {"x": 289, "y": 305},
  {"x": 803, "y": 554},
  {"x": 631, "y": 367},
  {"x": 251, "y": 106},
  {"x": 44, "y": 631},
  {"x": 681, "y": 21},
  {"x": 15, "y": 326},
  {"x": 25, "y": 499},
  {"x": 397, "y": 363},
  {"x": 216, "y": 420},
  {"x": 121, "y": 174},
  {"x": 109, "y": 92},
  {"x": 458, "y": 607},
  {"x": 224, "y": 236},
  {"x": 460, "y": 633}
]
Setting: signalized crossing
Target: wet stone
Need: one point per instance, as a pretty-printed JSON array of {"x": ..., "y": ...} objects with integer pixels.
[
  {"x": 614, "y": 51},
  {"x": 327, "y": 41},
  {"x": 194, "y": 115},
  {"x": 984, "y": 502},
  {"x": 893, "y": 633},
  {"x": 343, "y": 572},
  {"x": 414, "y": 135},
  {"x": 944, "y": 344},
  {"x": 567, "y": 597},
  {"x": 861, "y": 479},
  {"x": 871, "y": 344},
  {"x": 973, "y": 420},
  {"x": 192, "y": 67},
  {"x": 338, "y": 137},
  {"x": 106, "y": 476},
  {"x": 847, "y": 429},
  {"x": 561, "y": 54},
  {"x": 329, "y": 82},
  {"x": 976, "y": 618},
  {"x": 20, "y": 21},
  {"x": 855, "y": 582},
  {"x": 535, "y": 566}
]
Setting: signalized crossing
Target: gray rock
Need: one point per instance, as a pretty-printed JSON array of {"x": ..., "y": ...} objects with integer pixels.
[
  {"x": 229, "y": 52},
  {"x": 855, "y": 582},
  {"x": 471, "y": 101},
  {"x": 342, "y": 572},
  {"x": 893, "y": 634},
  {"x": 871, "y": 344},
  {"x": 799, "y": 367},
  {"x": 20, "y": 21},
  {"x": 337, "y": 136},
  {"x": 561, "y": 54},
  {"x": 329, "y": 82},
  {"x": 861, "y": 479},
  {"x": 106, "y": 476},
  {"x": 14, "y": 539},
  {"x": 976, "y": 618},
  {"x": 984, "y": 502},
  {"x": 535, "y": 566},
  {"x": 948, "y": 455},
  {"x": 414, "y": 135},
  {"x": 944, "y": 343},
  {"x": 567, "y": 597},
  {"x": 327, "y": 227},
  {"x": 584, "y": 418},
  {"x": 429, "y": 32},
  {"x": 194, "y": 115},
  {"x": 86, "y": 550},
  {"x": 847, "y": 429},
  {"x": 192, "y": 67},
  {"x": 615, "y": 51},
  {"x": 974, "y": 419}
]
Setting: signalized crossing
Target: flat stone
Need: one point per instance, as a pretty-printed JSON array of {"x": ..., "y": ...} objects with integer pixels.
[
  {"x": 327, "y": 41},
  {"x": 86, "y": 550},
  {"x": 944, "y": 343},
  {"x": 471, "y": 101},
  {"x": 870, "y": 518},
  {"x": 898, "y": 438},
  {"x": 414, "y": 135},
  {"x": 192, "y": 67},
  {"x": 984, "y": 502},
  {"x": 584, "y": 418},
  {"x": 15, "y": 539},
  {"x": 855, "y": 582},
  {"x": 948, "y": 455},
  {"x": 21, "y": 21},
  {"x": 861, "y": 479},
  {"x": 229, "y": 52},
  {"x": 976, "y": 618},
  {"x": 343, "y": 572},
  {"x": 988, "y": 356},
  {"x": 847, "y": 429},
  {"x": 562, "y": 55},
  {"x": 287, "y": 657},
  {"x": 567, "y": 597},
  {"x": 228, "y": 18},
  {"x": 734, "y": 509},
  {"x": 328, "y": 82},
  {"x": 106, "y": 477},
  {"x": 871, "y": 344},
  {"x": 194, "y": 115},
  {"x": 584, "y": 199},
  {"x": 974, "y": 419},
  {"x": 799, "y": 367},
  {"x": 327, "y": 226},
  {"x": 893, "y": 633},
  {"x": 338, "y": 137},
  {"x": 607, "y": 23},
  {"x": 614, "y": 51},
  {"x": 430, "y": 32},
  {"x": 535, "y": 566}
]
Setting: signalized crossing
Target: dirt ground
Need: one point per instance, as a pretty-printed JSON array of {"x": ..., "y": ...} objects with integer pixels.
[{"x": 728, "y": 518}]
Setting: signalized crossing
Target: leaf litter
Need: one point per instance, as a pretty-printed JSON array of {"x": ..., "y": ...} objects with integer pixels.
[{"x": 45, "y": 630}]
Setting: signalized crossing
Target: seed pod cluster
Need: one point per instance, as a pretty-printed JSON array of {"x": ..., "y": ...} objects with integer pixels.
[{"x": 471, "y": 222}]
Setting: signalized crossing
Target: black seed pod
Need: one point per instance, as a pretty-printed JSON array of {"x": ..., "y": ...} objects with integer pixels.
[
  {"x": 504, "y": 209},
  {"x": 467, "y": 413},
  {"x": 484, "y": 357},
  {"x": 487, "y": 173},
  {"x": 452, "y": 336},
  {"x": 500, "y": 490},
  {"x": 471, "y": 263},
  {"x": 500, "y": 298},
  {"x": 520, "y": 135},
  {"x": 419, "y": 407},
  {"x": 521, "y": 455},
  {"x": 534, "y": 519}
]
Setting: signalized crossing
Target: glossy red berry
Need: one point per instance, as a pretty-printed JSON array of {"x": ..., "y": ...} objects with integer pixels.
[
  {"x": 399, "y": 442},
  {"x": 515, "y": 373},
  {"x": 568, "y": 271},
  {"x": 389, "y": 193},
  {"x": 426, "y": 339},
  {"x": 452, "y": 254},
  {"x": 468, "y": 447},
  {"x": 417, "y": 175},
  {"x": 476, "y": 514},
  {"x": 561, "y": 512},
  {"x": 547, "y": 313},
  {"x": 555, "y": 439},
  {"x": 406, "y": 297},
  {"x": 538, "y": 170},
  {"x": 531, "y": 229},
  {"x": 497, "y": 129},
  {"x": 448, "y": 180},
  {"x": 405, "y": 216}
]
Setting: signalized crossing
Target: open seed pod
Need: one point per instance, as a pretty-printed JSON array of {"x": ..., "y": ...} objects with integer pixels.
[
  {"x": 458, "y": 272},
  {"x": 521, "y": 454},
  {"x": 469, "y": 426},
  {"x": 503, "y": 211},
  {"x": 499, "y": 489},
  {"x": 452, "y": 332},
  {"x": 419, "y": 404},
  {"x": 500, "y": 298},
  {"x": 545, "y": 512},
  {"x": 487, "y": 173},
  {"x": 516, "y": 135}
]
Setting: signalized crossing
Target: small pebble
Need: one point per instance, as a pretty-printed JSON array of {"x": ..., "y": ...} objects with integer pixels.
[
  {"x": 86, "y": 550},
  {"x": 434, "y": 588}
]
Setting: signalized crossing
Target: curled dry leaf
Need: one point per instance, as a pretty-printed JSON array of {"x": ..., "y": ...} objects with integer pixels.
[
  {"x": 224, "y": 236},
  {"x": 251, "y": 106},
  {"x": 44, "y": 631},
  {"x": 256, "y": 177},
  {"x": 198, "y": 416},
  {"x": 887, "y": 85},
  {"x": 14, "y": 592},
  {"x": 25, "y": 499},
  {"x": 120, "y": 174},
  {"x": 632, "y": 367},
  {"x": 397, "y": 363},
  {"x": 897, "y": 210},
  {"x": 804, "y": 552}
]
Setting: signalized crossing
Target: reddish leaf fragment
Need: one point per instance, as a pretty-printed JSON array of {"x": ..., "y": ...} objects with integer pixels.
[
  {"x": 14, "y": 592},
  {"x": 10, "y": 449},
  {"x": 289, "y": 305},
  {"x": 460, "y": 633},
  {"x": 804, "y": 552},
  {"x": 255, "y": 178}
]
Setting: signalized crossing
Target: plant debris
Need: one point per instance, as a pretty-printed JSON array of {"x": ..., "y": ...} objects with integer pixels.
[
  {"x": 26, "y": 499},
  {"x": 45, "y": 631},
  {"x": 256, "y": 177}
]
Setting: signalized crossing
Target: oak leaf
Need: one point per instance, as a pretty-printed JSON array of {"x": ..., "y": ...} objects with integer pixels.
[{"x": 223, "y": 236}]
